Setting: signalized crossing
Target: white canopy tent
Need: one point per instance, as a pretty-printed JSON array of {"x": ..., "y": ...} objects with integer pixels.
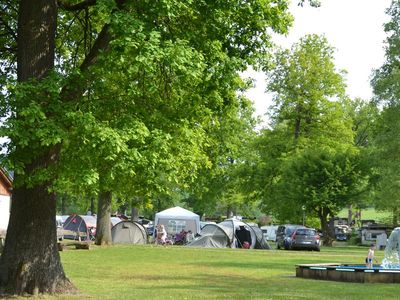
[{"x": 177, "y": 218}]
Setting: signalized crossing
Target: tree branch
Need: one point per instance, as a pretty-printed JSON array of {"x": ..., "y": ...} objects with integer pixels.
[
  {"x": 9, "y": 29},
  {"x": 100, "y": 45},
  {"x": 8, "y": 49},
  {"x": 78, "y": 6}
]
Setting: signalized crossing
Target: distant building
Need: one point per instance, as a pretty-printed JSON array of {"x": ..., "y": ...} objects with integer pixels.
[
  {"x": 340, "y": 221},
  {"x": 5, "y": 201},
  {"x": 370, "y": 233}
]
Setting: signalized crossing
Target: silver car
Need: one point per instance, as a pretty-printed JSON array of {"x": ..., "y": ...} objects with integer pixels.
[{"x": 305, "y": 238}]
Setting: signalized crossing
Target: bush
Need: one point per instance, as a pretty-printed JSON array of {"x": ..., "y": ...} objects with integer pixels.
[{"x": 354, "y": 239}]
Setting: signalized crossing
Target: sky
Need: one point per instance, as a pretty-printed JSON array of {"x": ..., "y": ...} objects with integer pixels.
[{"x": 353, "y": 27}]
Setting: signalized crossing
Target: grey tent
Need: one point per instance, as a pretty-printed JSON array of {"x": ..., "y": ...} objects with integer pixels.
[
  {"x": 239, "y": 232},
  {"x": 211, "y": 236},
  {"x": 261, "y": 241},
  {"x": 127, "y": 232},
  {"x": 230, "y": 233}
]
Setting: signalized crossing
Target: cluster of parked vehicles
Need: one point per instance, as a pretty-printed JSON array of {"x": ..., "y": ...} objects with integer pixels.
[{"x": 290, "y": 237}]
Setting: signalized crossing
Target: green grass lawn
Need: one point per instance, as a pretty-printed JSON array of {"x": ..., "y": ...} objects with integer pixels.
[
  {"x": 370, "y": 214},
  {"x": 173, "y": 272}
]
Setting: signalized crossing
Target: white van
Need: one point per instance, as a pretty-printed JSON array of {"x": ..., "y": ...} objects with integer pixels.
[{"x": 269, "y": 232}]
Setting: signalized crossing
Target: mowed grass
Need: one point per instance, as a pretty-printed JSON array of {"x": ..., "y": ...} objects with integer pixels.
[
  {"x": 370, "y": 214},
  {"x": 173, "y": 272}
]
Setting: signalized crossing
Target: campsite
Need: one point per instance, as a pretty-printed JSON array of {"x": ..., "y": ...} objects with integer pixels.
[
  {"x": 209, "y": 149},
  {"x": 149, "y": 272}
]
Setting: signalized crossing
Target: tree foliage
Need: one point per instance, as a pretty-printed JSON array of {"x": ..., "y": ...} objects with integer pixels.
[
  {"x": 307, "y": 157},
  {"x": 385, "y": 82},
  {"x": 125, "y": 107}
]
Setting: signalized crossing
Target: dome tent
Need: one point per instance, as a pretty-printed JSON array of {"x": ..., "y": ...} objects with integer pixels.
[
  {"x": 177, "y": 218},
  {"x": 211, "y": 236},
  {"x": 127, "y": 232},
  {"x": 78, "y": 227},
  {"x": 230, "y": 233},
  {"x": 261, "y": 242}
]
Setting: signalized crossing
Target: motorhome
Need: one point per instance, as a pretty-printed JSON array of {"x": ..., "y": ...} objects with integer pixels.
[{"x": 269, "y": 232}]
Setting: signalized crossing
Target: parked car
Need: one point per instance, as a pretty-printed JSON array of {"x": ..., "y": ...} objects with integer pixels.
[
  {"x": 341, "y": 237},
  {"x": 305, "y": 238},
  {"x": 284, "y": 235}
]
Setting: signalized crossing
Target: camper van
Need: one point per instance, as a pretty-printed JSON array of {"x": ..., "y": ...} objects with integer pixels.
[{"x": 269, "y": 232}]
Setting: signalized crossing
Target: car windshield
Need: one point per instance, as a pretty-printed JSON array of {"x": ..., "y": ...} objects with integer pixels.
[
  {"x": 305, "y": 232},
  {"x": 290, "y": 230}
]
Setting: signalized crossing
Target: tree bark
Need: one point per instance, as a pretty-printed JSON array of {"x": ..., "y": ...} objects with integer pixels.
[
  {"x": 30, "y": 262},
  {"x": 92, "y": 205},
  {"x": 135, "y": 214},
  {"x": 350, "y": 215},
  {"x": 326, "y": 228},
  {"x": 229, "y": 212},
  {"x": 103, "y": 227},
  {"x": 297, "y": 123}
]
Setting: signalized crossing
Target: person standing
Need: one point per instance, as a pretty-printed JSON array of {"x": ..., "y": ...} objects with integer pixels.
[{"x": 370, "y": 257}]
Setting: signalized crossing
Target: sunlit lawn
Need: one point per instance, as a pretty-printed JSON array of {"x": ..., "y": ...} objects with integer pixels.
[
  {"x": 150, "y": 272},
  {"x": 370, "y": 214}
]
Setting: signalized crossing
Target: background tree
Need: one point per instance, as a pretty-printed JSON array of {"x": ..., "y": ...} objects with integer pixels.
[
  {"x": 364, "y": 115},
  {"x": 217, "y": 184},
  {"x": 385, "y": 83},
  {"x": 32, "y": 221},
  {"x": 309, "y": 158}
]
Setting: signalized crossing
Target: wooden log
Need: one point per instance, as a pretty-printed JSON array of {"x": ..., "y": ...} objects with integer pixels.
[{"x": 85, "y": 246}]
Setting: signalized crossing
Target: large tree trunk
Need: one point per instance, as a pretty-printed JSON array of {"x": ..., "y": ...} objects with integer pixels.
[
  {"x": 326, "y": 228},
  {"x": 92, "y": 205},
  {"x": 103, "y": 228},
  {"x": 135, "y": 214},
  {"x": 350, "y": 215},
  {"x": 30, "y": 262},
  {"x": 229, "y": 212},
  {"x": 297, "y": 122}
]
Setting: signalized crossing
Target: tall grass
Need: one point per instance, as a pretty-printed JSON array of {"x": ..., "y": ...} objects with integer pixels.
[{"x": 150, "y": 272}]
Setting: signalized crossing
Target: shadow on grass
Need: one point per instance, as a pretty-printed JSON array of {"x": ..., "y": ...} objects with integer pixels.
[{"x": 220, "y": 286}]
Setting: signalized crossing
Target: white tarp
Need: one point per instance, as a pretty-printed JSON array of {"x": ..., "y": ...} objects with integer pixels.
[{"x": 177, "y": 218}]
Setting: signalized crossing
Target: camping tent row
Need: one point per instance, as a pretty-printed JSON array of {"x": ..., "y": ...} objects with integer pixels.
[
  {"x": 79, "y": 227},
  {"x": 230, "y": 233}
]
